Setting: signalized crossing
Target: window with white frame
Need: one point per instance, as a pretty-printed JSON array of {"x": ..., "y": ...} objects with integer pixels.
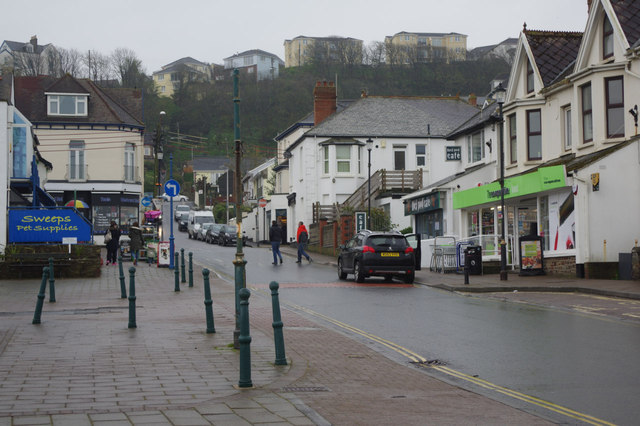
[
  {"x": 343, "y": 158},
  {"x": 67, "y": 105},
  {"x": 325, "y": 160},
  {"x": 359, "y": 160},
  {"x": 129, "y": 162},
  {"x": 475, "y": 147},
  {"x": 160, "y": 77},
  {"x": 566, "y": 123},
  {"x": 421, "y": 155},
  {"x": 76, "y": 161}
]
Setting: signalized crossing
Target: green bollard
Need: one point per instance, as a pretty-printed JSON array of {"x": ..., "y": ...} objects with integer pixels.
[
  {"x": 132, "y": 298},
  {"x": 278, "y": 337},
  {"x": 43, "y": 287},
  {"x": 123, "y": 287},
  {"x": 52, "y": 282},
  {"x": 176, "y": 272},
  {"x": 208, "y": 302},
  {"x": 190, "y": 269},
  {"x": 244, "y": 340},
  {"x": 184, "y": 277}
]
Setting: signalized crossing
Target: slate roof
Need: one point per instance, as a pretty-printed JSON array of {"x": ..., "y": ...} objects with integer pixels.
[
  {"x": 554, "y": 52},
  {"x": 628, "y": 13},
  {"x": 308, "y": 120},
  {"x": 485, "y": 115},
  {"x": 253, "y": 52},
  {"x": 399, "y": 117},
  {"x": 203, "y": 164},
  {"x": 21, "y": 46},
  {"x": 102, "y": 108}
]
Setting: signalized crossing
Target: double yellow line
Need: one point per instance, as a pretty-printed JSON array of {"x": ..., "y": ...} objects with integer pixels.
[{"x": 422, "y": 362}]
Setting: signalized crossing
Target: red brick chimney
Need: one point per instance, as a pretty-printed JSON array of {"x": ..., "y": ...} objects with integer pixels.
[
  {"x": 473, "y": 100},
  {"x": 324, "y": 101}
]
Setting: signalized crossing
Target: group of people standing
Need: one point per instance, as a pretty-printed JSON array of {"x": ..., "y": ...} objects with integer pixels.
[
  {"x": 276, "y": 236},
  {"x": 112, "y": 239}
]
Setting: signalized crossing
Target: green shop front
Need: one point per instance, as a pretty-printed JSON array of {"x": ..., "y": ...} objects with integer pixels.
[{"x": 537, "y": 203}]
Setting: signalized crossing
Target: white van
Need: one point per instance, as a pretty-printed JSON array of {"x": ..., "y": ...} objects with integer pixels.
[{"x": 196, "y": 219}]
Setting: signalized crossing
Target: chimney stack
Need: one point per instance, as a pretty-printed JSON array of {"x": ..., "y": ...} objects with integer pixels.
[
  {"x": 473, "y": 100},
  {"x": 34, "y": 42},
  {"x": 324, "y": 101}
]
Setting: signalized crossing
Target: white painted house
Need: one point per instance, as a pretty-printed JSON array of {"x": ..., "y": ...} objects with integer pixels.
[{"x": 263, "y": 65}]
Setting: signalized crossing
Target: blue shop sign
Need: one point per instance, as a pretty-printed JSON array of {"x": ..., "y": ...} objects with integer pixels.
[{"x": 47, "y": 225}]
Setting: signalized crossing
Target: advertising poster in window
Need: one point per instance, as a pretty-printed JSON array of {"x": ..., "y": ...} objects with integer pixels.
[{"x": 562, "y": 223}]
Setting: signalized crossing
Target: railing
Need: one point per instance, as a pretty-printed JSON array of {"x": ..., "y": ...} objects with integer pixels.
[
  {"x": 384, "y": 182},
  {"x": 325, "y": 211},
  {"x": 77, "y": 173}
]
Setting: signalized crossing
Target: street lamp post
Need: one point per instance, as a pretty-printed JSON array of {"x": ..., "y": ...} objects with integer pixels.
[
  {"x": 369, "y": 146},
  {"x": 172, "y": 247},
  {"x": 499, "y": 93},
  {"x": 157, "y": 146}
]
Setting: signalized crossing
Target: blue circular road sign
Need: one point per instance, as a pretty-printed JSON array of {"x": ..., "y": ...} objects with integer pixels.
[
  {"x": 172, "y": 188},
  {"x": 146, "y": 201}
]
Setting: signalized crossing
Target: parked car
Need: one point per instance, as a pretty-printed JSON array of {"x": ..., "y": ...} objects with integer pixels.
[
  {"x": 181, "y": 208},
  {"x": 213, "y": 233},
  {"x": 385, "y": 254},
  {"x": 202, "y": 231},
  {"x": 183, "y": 222},
  {"x": 229, "y": 235},
  {"x": 178, "y": 197}
]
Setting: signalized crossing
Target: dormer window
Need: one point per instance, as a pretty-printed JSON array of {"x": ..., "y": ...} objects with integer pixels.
[
  {"x": 607, "y": 39},
  {"x": 70, "y": 105}
]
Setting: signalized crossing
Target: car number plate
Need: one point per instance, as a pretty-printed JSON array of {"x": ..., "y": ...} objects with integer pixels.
[{"x": 390, "y": 254}]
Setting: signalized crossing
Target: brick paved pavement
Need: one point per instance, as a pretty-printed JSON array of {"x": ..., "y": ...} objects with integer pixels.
[{"x": 82, "y": 365}]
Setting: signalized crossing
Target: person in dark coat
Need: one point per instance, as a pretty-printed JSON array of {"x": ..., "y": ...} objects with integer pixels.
[
  {"x": 113, "y": 243},
  {"x": 302, "y": 237},
  {"x": 137, "y": 241},
  {"x": 275, "y": 237}
]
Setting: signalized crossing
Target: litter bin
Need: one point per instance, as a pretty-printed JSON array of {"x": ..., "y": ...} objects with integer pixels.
[{"x": 473, "y": 259}]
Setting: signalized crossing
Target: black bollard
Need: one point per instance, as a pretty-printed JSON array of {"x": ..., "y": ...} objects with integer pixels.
[
  {"x": 466, "y": 267},
  {"x": 184, "y": 276},
  {"x": 52, "y": 282},
  {"x": 278, "y": 337},
  {"x": 176, "y": 272},
  {"x": 190, "y": 269},
  {"x": 208, "y": 302},
  {"x": 43, "y": 287},
  {"x": 132, "y": 298},
  {"x": 244, "y": 340},
  {"x": 123, "y": 287}
]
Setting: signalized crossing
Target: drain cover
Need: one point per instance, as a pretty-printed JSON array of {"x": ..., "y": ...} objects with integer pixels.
[{"x": 305, "y": 389}]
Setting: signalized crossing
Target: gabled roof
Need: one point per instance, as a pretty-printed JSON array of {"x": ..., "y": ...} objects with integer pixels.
[
  {"x": 203, "y": 164},
  {"x": 478, "y": 121},
  {"x": 20, "y": 46},
  {"x": 252, "y": 53},
  {"x": 628, "y": 13},
  {"x": 553, "y": 52},
  {"x": 185, "y": 60},
  {"x": 399, "y": 117},
  {"x": 102, "y": 108}
]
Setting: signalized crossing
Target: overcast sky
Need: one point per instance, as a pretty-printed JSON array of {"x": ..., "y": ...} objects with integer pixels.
[{"x": 162, "y": 31}]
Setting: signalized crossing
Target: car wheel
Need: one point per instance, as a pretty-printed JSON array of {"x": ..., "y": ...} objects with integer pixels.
[
  {"x": 357, "y": 271},
  {"x": 409, "y": 278},
  {"x": 341, "y": 274}
]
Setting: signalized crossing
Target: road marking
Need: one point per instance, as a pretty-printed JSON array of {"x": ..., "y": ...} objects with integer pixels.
[{"x": 422, "y": 362}]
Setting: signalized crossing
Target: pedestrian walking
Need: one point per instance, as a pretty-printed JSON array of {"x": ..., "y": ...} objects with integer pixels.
[
  {"x": 302, "y": 237},
  {"x": 275, "y": 237},
  {"x": 137, "y": 241},
  {"x": 112, "y": 238}
]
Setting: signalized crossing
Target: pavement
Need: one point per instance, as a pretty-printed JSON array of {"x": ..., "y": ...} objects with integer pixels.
[{"x": 83, "y": 365}]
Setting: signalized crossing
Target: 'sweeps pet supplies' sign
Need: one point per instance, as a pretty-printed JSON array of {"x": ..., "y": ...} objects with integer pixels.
[{"x": 47, "y": 225}]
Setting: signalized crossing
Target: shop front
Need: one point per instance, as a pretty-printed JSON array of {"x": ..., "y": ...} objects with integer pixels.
[
  {"x": 124, "y": 209},
  {"x": 538, "y": 203},
  {"x": 427, "y": 210}
]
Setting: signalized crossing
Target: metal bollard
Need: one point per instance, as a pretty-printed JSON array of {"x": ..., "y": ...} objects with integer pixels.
[
  {"x": 132, "y": 297},
  {"x": 190, "y": 269},
  {"x": 244, "y": 340},
  {"x": 123, "y": 287},
  {"x": 466, "y": 267},
  {"x": 184, "y": 278},
  {"x": 43, "y": 287},
  {"x": 208, "y": 302},
  {"x": 278, "y": 337},
  {"x": 52, "y": 282},
  {"x": 176, "y": 272}
]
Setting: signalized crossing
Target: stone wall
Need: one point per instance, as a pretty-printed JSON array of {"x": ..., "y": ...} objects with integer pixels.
[{"x": 560, "y": 266}]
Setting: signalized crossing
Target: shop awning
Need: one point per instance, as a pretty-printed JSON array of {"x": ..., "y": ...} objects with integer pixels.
[{"x": 543, "y": 179}]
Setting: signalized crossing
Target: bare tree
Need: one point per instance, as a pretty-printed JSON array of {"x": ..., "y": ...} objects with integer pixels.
[
  {"x": 127, "y": 67},
  {"x": 70, "y": 62},
  {"x": 97, "y": 65},
  {"x": 374, "y": 54}
]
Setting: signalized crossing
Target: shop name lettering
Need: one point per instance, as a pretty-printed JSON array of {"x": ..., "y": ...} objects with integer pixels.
[
  {"x": 496, "y": 194},
  {"x": 422, "y": 203},
  {"x": 46, "y": 224}
]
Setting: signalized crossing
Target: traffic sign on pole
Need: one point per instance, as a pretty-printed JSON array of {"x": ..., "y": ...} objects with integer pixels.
[{"x": 172, "y": 188}]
